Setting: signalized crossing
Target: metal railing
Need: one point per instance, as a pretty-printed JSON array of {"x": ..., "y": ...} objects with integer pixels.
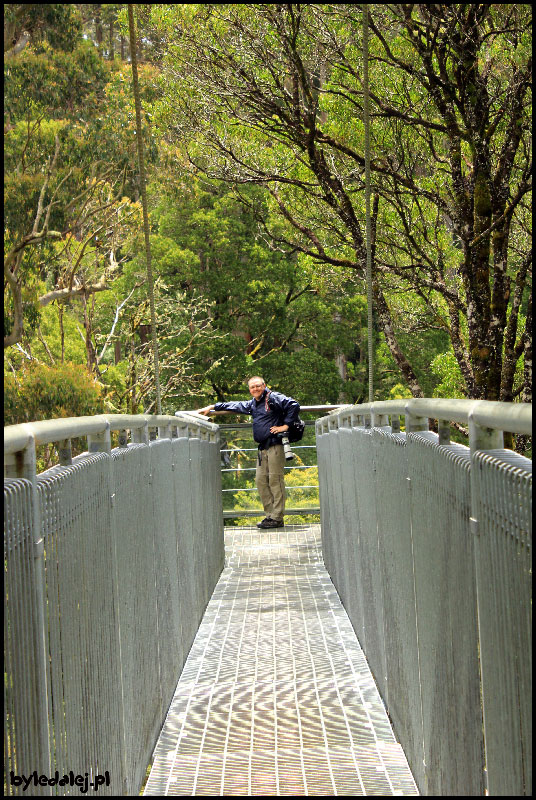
[
  {"x": 249, "y": 471},
  {"x": 429, "y": 544},
  {"x": 110, "y": 559}
]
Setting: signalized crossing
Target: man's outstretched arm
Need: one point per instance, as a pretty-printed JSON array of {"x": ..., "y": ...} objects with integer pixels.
[
  {"x": 208, "y": 410},
  {"x": 237, "y": 406}
]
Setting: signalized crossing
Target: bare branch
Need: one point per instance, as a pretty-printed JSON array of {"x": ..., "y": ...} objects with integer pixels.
[
  {"x": 63, "y": 294},
  {"x": 116, "y": 318},
  {"x": 40, "y": 204}
]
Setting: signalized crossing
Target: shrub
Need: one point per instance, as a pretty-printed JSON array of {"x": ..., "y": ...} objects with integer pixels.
[{"x": 40, "y": 392}]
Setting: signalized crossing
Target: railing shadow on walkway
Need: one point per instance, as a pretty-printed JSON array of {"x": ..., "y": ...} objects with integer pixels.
[{"x": 276, "y": 697}]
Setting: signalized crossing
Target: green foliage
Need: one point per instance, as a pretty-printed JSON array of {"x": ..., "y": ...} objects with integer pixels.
[
  {"x": 115, "y": 382},
  {"x": 398, "y": 392},
  {"x": 441, "y": 99},
  {"x": 296, "y": 497},
  {"x": 447, "y": 369},
  {"x": 303, "y": 374},
  {"x": 59, "y": 24},
  {"x": 241, "y": 288},
  {"x": 42, "y": 392},
  {"x": 269, "y": 312},
  {"x": 25, "y": 157},
  {"x": 52, "y": 82},
  {"x": 74, "y": 347}
]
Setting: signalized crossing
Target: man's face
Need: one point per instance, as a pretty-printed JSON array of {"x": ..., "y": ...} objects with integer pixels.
[{"x": 256, "y": 388}]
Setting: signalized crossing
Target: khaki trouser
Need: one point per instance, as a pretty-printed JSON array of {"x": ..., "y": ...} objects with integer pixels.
[{"x": 269, "y": 478}]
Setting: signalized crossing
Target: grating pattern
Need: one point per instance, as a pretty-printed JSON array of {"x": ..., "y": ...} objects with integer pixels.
[
  {"x": 21, "y": 733},
  {"x": 503, "y": 483},
  {"x": 120, "y": 552},
  {"x": 83, "y": 645},
  {"x": 276, "y": 697},
  {"x": 430, "y": 546},
  {"x": 446, "y": 619}
]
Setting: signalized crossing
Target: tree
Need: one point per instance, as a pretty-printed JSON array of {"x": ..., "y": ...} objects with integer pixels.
[
  {"x": 39, "y": 391},
  {"x": 473, "y": 65},
  {"x": 86, "y": 243},
  {"x": 271, "y": 94},
  {"x": 264, "y": 304},
  {"x": 28, "y": 23},
  {"x": 69, "y": 170}
]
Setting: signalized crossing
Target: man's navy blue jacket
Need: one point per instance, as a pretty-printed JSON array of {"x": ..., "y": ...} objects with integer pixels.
[{"x": 282, "y": 410}]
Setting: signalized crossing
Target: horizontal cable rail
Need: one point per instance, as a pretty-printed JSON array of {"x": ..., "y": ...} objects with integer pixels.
[
  {"x": 243, "y": 426},
  {"x": 288, "y": 488},
  {"x": 254, "y": 449},
  {"x": 252, "y": 469},
  {"x": 429, "y": 544}
]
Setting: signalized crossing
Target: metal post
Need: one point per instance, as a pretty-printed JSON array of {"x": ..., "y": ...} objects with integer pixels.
[
  {"x": 380, "y": 420},
  {"x": 103, "y": 442},
  {"x": 414, "y": 423},
  {"x": 443, "y": 428},
  {"x": 481, "y": 438},
  {"x": 100, "y": 442},
  {"x": 183, "y": 431},
  {"x": 141, "y": 435},
  {"x": 65, "y": 453},
  {"x": 164, "y": 431}
]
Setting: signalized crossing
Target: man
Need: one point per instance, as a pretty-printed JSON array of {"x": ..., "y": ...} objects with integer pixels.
[{"x": 272, "y": 414}]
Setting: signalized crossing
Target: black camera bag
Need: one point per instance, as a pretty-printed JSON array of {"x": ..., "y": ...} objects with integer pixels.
[{"x": 295, "y": 429}]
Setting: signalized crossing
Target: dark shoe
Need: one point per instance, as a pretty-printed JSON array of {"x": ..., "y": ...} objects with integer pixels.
[
  {"x": 262, "y": 523},
  {"x": 272, "y": 523}
]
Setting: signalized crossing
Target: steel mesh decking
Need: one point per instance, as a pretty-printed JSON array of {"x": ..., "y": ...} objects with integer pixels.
[{"x": 276, "y": 697}]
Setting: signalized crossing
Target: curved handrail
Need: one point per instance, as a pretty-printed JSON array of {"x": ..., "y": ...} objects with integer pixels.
[
  {"x": 18, "y": 437},
  {"x": 512, "y": 417}
]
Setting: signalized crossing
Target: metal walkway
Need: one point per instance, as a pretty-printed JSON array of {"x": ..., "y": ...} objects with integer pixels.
[{"x": 276, "y": 697}]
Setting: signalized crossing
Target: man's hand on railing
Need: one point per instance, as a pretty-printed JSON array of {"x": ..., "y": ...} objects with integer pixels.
[
  {"x": 208, "y": 410},
  {"x": 205, "y": 411}
]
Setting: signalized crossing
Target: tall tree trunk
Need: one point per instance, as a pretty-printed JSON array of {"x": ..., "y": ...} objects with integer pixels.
[
  {"x": 527, "y": 369},
  {"x": 91, "y": 353},
  {"x": 98, "y": 26},
  {"x": 384, "y": 316},
  {"x": 523, "y": 444},
  {"x": 132, "y": 359},
  {"x": 111, "y": 53},
  {"x": 514, "y": 349},
  {"x": 459, "y": 348},
  {"x": 62, "y": 332}
]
